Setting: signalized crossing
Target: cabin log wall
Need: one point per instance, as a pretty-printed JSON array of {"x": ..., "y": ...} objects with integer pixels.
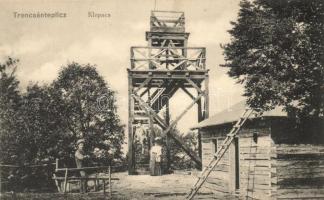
[
  {"x": 299, "y": 171},
  {"x": 297, "y": 159}
]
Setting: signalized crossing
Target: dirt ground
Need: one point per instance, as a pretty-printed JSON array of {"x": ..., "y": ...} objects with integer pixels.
[
  {"x": 135, "y": 187},
  {"x": 170, "y": 186}
]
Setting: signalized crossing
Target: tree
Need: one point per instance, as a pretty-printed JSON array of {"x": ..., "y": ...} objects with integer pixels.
[
  {"x": 277, "y": 52},
  {"x": 87, "y": 106},
  {"x": 43, "y": 139},
  {"x": 10, "y": 100},
  {"x": 44, "y": 122},
  {"x": 11, "y": 131},
  {"x": 43, "y": 130},
  {"x": 179, "y": 158}
]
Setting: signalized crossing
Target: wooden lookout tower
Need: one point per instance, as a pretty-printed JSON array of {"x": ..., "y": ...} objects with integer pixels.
[{"x": 157, "y": 72}]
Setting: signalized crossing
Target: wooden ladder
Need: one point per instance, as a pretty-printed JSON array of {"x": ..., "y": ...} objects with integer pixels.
[{"x": 219, "y": 154}]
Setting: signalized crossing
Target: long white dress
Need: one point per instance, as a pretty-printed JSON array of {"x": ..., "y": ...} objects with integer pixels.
[{"x": 155, "y": 160}]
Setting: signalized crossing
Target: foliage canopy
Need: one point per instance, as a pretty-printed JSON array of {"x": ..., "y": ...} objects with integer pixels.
[{"x": 277, "y": 52}]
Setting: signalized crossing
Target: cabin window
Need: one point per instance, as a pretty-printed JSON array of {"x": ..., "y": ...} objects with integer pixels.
[
  {"x": 255, "y": 137},
  {"x": 214, "y": 145}
]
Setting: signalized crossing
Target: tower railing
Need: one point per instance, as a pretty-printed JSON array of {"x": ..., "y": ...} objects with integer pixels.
[
  {"x": 168, "y": 58},
  {"x": 167, "y": 21}
]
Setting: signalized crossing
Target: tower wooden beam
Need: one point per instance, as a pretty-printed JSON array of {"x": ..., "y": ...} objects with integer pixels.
[
  {"x": 163, "y": 66},
  {"x": 167, "y": 128},
  {"x": 143, "y": 84},
  {"x": 187, "y": 92},
  {"x": 131, "y": 152},
  {"x": 183, "y": 113}
]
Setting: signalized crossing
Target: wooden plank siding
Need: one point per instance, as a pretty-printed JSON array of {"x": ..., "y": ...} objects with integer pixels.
[
  {"x": 255, "y": 167},
  {"x": 299, "y": 171},
  {"x": 254, "y": 163},
  {"x": 218, "y": 180},
  {"x": 285, "y": 163}
]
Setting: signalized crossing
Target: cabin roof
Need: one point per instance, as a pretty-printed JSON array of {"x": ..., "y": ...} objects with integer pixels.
[{"x": 233, "y": 113}]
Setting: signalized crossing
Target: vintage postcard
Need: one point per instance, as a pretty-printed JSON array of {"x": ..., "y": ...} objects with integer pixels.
[{"x": 161, "y": 99}]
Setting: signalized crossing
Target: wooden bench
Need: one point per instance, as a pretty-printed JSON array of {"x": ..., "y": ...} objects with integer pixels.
[
  {"x": 96, "y": 179},
  {"x": 66, "y": 179}
]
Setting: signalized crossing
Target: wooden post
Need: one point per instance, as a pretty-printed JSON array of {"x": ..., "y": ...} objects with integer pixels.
[
  {"x": 149, "y": 56},
  {"x": 184, "y": 52},
  {"x": 151, "y": 131},
  {"x": 206, "y": 107},
  {"x": 57, "y": 183},
  {"x": 166, "y": 56},
  {"x": 104, "y": 186},
  {"x": 56, "y": 164},
  {"x": 152, "y": 134},
  {"x": 150, "y": 124},
  {"x": 95, "y": 183},
  {"x": 65, "y": 179},
  {"x": 200, "y": 118},
  {"x": 132, "y": 58},
  {"x": 131, "y": 152},
  {"x": 168, "y": 145},
  {"x": 110, "y": 187}
]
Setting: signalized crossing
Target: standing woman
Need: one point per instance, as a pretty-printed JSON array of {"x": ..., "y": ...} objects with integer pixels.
[{"x": 155, "y": 158}]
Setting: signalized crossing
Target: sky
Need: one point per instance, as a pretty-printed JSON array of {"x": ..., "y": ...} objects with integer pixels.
[{"x": 44, "y": 45}]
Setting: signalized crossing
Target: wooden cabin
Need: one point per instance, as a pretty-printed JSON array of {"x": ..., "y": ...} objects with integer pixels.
[{"x": 270, "y": 158}]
